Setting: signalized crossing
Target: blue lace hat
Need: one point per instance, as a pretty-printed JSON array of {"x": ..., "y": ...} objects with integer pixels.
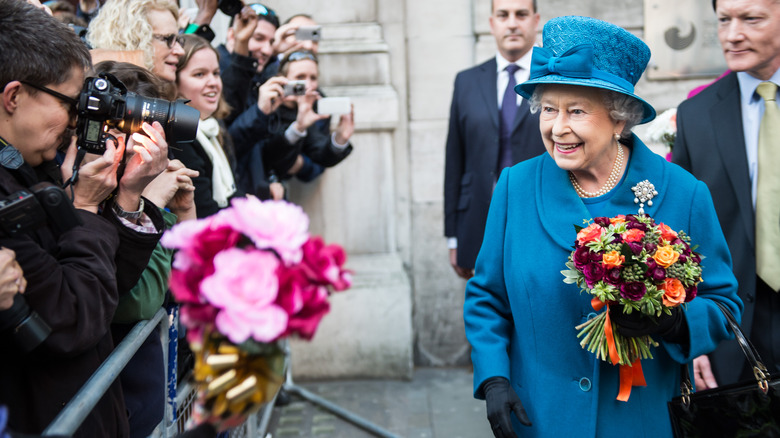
[{"x": 591, "y": 53}]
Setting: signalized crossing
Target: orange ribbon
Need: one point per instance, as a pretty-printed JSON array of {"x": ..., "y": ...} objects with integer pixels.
[{"x": 630, "y": 375}]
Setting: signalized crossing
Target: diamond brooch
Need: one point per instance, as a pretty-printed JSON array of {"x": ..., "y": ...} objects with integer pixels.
[{"x": 644, "y": 192}]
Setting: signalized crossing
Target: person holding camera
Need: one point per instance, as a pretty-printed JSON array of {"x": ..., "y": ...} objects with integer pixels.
[
  {"x": 75, "y": 276},
  {"x": 292, "y": 111}
]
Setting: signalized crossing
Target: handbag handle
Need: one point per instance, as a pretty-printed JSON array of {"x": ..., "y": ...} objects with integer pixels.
[{"x": 751, "y": 354}]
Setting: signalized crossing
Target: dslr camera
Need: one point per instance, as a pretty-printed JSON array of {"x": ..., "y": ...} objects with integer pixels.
[
  {"x": 105, "y": 103},
  {"x": 23, "y": 212}
]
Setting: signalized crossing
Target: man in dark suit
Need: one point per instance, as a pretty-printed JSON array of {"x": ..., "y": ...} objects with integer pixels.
[
  {"x": 485, "y": 135},
  {"x": 718, "y": 138}
]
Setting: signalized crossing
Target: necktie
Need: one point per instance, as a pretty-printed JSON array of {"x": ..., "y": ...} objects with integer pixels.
[
  {"x": 768, "y": 192},
  {"x": 508, "y": 113}
]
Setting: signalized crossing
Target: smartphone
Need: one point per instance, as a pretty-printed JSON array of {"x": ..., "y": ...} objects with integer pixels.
[
  {"x": 295, "y": 88},
  {"x": 308, "y": 33},
  {"x": 334, "y": 105}
]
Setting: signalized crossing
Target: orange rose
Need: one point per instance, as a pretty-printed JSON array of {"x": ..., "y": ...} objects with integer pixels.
[
  {"x": 665, "y": 256},
  {"x": 613, "y": 259},
  {"x": 633, "y": 235},
  {"x": 674, "y": 292},
  {"x": 589, "y": 234},
  {"x": 619, "y": 219},
  {"x": 667, "y": 233}
]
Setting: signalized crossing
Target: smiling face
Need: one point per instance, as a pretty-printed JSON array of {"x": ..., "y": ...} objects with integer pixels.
[
  {"x": 261, "y": 43},
  {"x": 199, "y": 81},
  {"x": 165, "y": 58},
  {"x": 42, "y": 120},
  {"x": 514, "y": 24},
  {"x": 577, "y": 130},
  {"x": 749, "y": 33}
]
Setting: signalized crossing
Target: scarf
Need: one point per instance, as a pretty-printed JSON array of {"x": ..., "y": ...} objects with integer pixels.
[{"x": 222, "y": 183}]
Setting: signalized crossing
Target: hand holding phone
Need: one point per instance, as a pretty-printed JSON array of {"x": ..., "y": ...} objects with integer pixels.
[
  {"x": 334, "y": 105},
  {"x": 308, "y": 33}
]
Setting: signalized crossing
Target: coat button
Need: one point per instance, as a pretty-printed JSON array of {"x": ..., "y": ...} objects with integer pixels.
[
  {"x": 591, "y": 315},
  {"x": 585, "y": 384},
  {"x": 750, "y": 297}
]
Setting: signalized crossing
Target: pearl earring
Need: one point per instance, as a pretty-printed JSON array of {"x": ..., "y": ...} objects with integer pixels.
[{"x": 617, "y": 136}]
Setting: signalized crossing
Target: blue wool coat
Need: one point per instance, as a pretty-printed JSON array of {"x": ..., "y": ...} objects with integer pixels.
[{"x": 520, "y": 316}]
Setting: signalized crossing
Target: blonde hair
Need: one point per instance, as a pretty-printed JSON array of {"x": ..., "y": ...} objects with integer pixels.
[{"x": 123, "y": 25}]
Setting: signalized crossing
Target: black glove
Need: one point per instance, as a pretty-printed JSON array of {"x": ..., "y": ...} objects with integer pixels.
[
  {"x": 673, "y": 328},
  {"x": 501, "y": 400}
]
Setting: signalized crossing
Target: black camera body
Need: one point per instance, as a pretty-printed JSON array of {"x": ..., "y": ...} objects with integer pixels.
[
  {"x": 105, "y": 103},
  {"x": 230, "y": 7},
  {"x": 23, "y": 212}
]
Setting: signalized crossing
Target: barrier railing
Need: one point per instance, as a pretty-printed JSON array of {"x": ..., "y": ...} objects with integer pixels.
[{"x": 73, "y": 414}]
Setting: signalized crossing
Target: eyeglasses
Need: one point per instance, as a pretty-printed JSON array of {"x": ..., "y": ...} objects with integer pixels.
[
  {"x": 169, "y": 39},
  {"x": 73, "y": 104},
  {"x": 263, "y": 11}
]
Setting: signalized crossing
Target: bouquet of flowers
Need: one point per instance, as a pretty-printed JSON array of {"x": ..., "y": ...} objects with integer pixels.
[
  {"x": 664, "y": 130},
  {"x": 246, "y": 278},
  {"x": 629, "y": 260}
]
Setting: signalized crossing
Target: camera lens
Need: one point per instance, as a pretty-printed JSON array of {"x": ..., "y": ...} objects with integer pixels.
[
  {"x": 25, "y": 327},
  {"x": 180, "y": 121}
]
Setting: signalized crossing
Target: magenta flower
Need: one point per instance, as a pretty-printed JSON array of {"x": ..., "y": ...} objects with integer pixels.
[
  {"x": 244, "y": 287},
  {"x": 305, "y": 302},
  {"x": 581, "y": 257},
  {"x": 633, "y": 291},
  {"x": 324, "y": 264}
]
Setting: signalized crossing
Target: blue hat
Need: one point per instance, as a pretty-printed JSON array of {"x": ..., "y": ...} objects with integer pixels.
[{"x": 591, "y": 53}]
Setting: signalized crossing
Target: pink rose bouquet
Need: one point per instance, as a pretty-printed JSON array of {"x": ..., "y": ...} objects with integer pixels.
[{"x": 246, "y": 278}]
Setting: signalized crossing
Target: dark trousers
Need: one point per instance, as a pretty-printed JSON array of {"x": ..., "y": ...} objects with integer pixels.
[
  {"x": 765, "y": 334},
  {"x": 143, "y": 383}
]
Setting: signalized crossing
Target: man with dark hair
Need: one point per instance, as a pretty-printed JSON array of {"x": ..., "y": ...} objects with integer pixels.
[
  {"x": 491, "y": 127},
  {"x": 727, "y": 136},
  {"x": 74, "y": 277}
]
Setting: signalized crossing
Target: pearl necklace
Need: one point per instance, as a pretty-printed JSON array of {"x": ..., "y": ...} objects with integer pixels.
[{"x": 612, "y": 180}]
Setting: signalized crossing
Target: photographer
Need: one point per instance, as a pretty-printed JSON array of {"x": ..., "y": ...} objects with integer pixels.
[{"x": 74, "y": 277}]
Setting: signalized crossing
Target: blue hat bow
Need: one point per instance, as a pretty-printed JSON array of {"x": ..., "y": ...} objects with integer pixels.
[{"x": 576, "y": 62}]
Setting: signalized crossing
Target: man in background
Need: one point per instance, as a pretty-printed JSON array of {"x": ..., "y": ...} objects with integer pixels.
[
  {"x": 723, "y": 135},
  {"x": 491, "y": 127}
]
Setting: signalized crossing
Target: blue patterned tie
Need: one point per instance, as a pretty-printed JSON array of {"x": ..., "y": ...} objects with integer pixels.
[{"x": 508, "y": 113}]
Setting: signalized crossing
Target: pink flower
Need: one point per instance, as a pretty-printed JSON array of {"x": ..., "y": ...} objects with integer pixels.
[
  {"x": 244, "y": 287},
  {"x": 590, "y": 233},
  {"x": 278, "y": 225}
]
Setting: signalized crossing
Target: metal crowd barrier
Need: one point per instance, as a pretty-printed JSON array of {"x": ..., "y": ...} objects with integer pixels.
[{"x": 180, "y": 395}]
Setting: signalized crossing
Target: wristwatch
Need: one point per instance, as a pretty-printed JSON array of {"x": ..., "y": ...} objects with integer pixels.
[{"x": 129, "y": 215}]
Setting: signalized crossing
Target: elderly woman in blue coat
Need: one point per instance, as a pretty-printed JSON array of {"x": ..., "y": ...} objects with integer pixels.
[{"x": 519, "y": 314}]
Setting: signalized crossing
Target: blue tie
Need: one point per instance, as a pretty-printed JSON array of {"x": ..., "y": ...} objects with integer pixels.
[{"x": 508, "y": 113}]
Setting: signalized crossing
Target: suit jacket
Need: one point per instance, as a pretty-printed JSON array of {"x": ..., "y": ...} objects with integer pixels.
[
  {"x": 520, "y": 315},
  {"x": 711, "y": 145},
  {"x": 472, "y": 155}
]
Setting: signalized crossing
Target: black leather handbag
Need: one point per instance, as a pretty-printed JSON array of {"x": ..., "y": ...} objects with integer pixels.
[{"x": 745, "y": 409}]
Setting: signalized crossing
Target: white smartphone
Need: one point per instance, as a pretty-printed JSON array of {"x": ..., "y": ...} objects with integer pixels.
[
  {"x": 334, "y": 105},
  {"x": 308, "y": 33}
]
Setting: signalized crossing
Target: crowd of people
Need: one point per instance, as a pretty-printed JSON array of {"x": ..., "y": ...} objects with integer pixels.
[{"x": 70, "y": 294}]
